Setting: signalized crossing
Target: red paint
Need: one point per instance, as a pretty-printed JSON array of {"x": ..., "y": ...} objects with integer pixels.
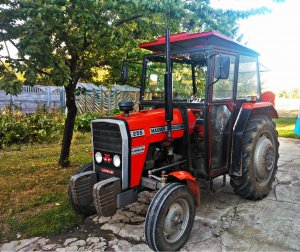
[
  {"x": 261, "y": 108},
  {"x": 182, "y": 175},
  {"x": 185, "y": 36},
  {"x": 191, "y": 183},
  {"x": 194, "y": 187},
  {"x": 268, "y": 96},
  {"x": 251, "y": 105},
  {"x": 196, "y": 40},
  {"x": 107, "y": 158},
  {"x": 146, "y": 120}
]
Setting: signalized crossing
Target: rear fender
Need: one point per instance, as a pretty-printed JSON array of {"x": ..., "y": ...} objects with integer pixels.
[
  {"x": 247, "y": 110},
  {"x": 190, "y": 182},
  {"x": 261, "y": 108}
]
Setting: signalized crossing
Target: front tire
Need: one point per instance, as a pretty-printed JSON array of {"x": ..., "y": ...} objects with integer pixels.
[
  {"x": 83, "y": 210},
  {"x": 259, "y": 162},
  {"x": 170, "y": 218}
]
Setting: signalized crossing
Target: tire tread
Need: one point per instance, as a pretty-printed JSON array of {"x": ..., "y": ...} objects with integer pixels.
[{"x": 244, "y": 185}]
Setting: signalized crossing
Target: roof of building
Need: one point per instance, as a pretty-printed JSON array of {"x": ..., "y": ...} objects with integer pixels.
[
  {"x": 186, "y": 40},
  {"x": 91, "y": 86},
  {"x": 124, "y": 88},
  {"x": 121, "y": 88}
]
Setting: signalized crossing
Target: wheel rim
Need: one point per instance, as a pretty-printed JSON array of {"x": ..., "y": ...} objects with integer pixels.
[
  {"x": 176, "y": 220},
  {"x": 264, "y": 159}
]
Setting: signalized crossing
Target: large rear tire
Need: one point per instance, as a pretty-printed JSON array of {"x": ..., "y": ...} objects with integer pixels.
[
  {"x": 83, "y": 210},
  {"x": 170, "y": 218},
  {"x": 259, "y": 162}
]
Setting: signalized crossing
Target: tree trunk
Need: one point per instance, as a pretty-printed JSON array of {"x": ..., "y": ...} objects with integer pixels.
[{"x": 64, "y": 160}]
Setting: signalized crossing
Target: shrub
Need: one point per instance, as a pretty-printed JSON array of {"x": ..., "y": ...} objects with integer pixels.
[
  {"x": 18, "y": 129},
  {"x": 83, "y": 122},
  {"x": 115, "y": 111}
]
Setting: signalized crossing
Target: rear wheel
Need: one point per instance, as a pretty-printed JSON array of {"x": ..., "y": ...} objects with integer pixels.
[
  {"x": 260, "y": 156},
  {"x": 170, "y": 218},
  {"x": 83, "y": 210}
]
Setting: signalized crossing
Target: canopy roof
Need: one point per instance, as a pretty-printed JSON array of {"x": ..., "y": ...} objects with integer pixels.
[{"x": 186, "y": 40}]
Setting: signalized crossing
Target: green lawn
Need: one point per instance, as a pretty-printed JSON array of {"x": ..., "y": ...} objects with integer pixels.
[
  {"x": 33, "y": 189},
  {"x": 286, "y": 126}
]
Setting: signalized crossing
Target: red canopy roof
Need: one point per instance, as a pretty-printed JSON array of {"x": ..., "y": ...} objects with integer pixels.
[{"x": 186, "y": 40}]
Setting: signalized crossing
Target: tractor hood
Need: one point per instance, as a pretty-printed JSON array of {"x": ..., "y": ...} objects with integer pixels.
[{"x": 152, "y": 125}]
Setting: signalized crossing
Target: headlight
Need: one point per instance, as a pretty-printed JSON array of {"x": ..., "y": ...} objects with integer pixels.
[
  {"x": 116, "y": 161},
  {"x": 98, "y": 157}
]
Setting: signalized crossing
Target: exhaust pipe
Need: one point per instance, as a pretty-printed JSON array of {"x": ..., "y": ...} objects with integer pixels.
[{"x": 168, "y": 89}]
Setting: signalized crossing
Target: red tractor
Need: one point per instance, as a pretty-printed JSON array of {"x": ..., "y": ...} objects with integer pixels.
[{"x": 201, "y": 115}]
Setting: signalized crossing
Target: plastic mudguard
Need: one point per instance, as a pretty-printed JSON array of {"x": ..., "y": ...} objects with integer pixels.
[
  {"x": 105, "y": 196},
  {"x": 81, "y": 187}
]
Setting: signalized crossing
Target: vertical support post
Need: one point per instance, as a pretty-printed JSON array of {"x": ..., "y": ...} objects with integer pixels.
[
  {"x": 101, "y": 102},
  {"x": 194, "y": 80},
  {"x": 94, "y": 100},
  {"x": 168, "y": 88},
  {"x": 224, "y": 180},
  {"x": 62, "y": 100},
  {"x": 109, "y": 108},
  {"x": 85, "y": 101},
  {"x": 10, "y": 100},
  {"x": 48, "y": 98}
]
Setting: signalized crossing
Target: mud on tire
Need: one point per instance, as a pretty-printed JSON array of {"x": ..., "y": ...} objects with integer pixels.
[
  {"x": 259, "y": 159},
  {"x": 83, "y": 210}
]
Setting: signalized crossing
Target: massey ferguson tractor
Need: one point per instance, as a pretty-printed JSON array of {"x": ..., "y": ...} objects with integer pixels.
[{"x": 201, "y": 115}]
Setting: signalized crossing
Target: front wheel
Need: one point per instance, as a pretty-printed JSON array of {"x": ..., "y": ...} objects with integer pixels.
[{"x": 170, "y": 218}]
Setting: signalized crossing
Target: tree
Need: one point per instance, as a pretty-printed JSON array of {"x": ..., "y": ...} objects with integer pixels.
[{"x": 63, "y": 41}]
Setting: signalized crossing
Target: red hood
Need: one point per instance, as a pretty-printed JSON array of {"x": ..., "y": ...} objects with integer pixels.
[{"x": 151, "y": 120}]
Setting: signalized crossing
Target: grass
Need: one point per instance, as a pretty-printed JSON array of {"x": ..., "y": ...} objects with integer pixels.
[
  {"x": 286, "y": 126},
  {"x": 33, "y": 189}
]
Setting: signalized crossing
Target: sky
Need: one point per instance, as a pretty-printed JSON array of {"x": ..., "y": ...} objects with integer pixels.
[{"x": 276, "y": 36}]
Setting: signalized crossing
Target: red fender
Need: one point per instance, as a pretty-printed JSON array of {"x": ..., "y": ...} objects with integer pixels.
[{"x": 191, "y": 183}]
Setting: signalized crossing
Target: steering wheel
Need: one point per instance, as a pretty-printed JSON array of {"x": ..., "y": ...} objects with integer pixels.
[{"x": 194, "y": 99}]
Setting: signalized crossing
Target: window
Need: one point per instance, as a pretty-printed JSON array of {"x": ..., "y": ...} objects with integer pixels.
[
  {"x": 188, "y": 74},
  {"x": 223, "y": 89},
  {"x": 247, "y": 78}
]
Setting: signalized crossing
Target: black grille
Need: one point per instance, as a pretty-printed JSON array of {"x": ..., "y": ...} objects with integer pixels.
[{"x": 107, "y": 137}]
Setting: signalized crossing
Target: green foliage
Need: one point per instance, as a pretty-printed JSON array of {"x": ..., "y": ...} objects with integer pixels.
[
  {"x": 19, "y": 129},
  {"x": 115, "y": 111},
  {"x": 83, "y": 122},
  {"x": 61, "y": 41},
  {"x": 9, "y": 81},
  {"x": 286, "y": 126}
]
